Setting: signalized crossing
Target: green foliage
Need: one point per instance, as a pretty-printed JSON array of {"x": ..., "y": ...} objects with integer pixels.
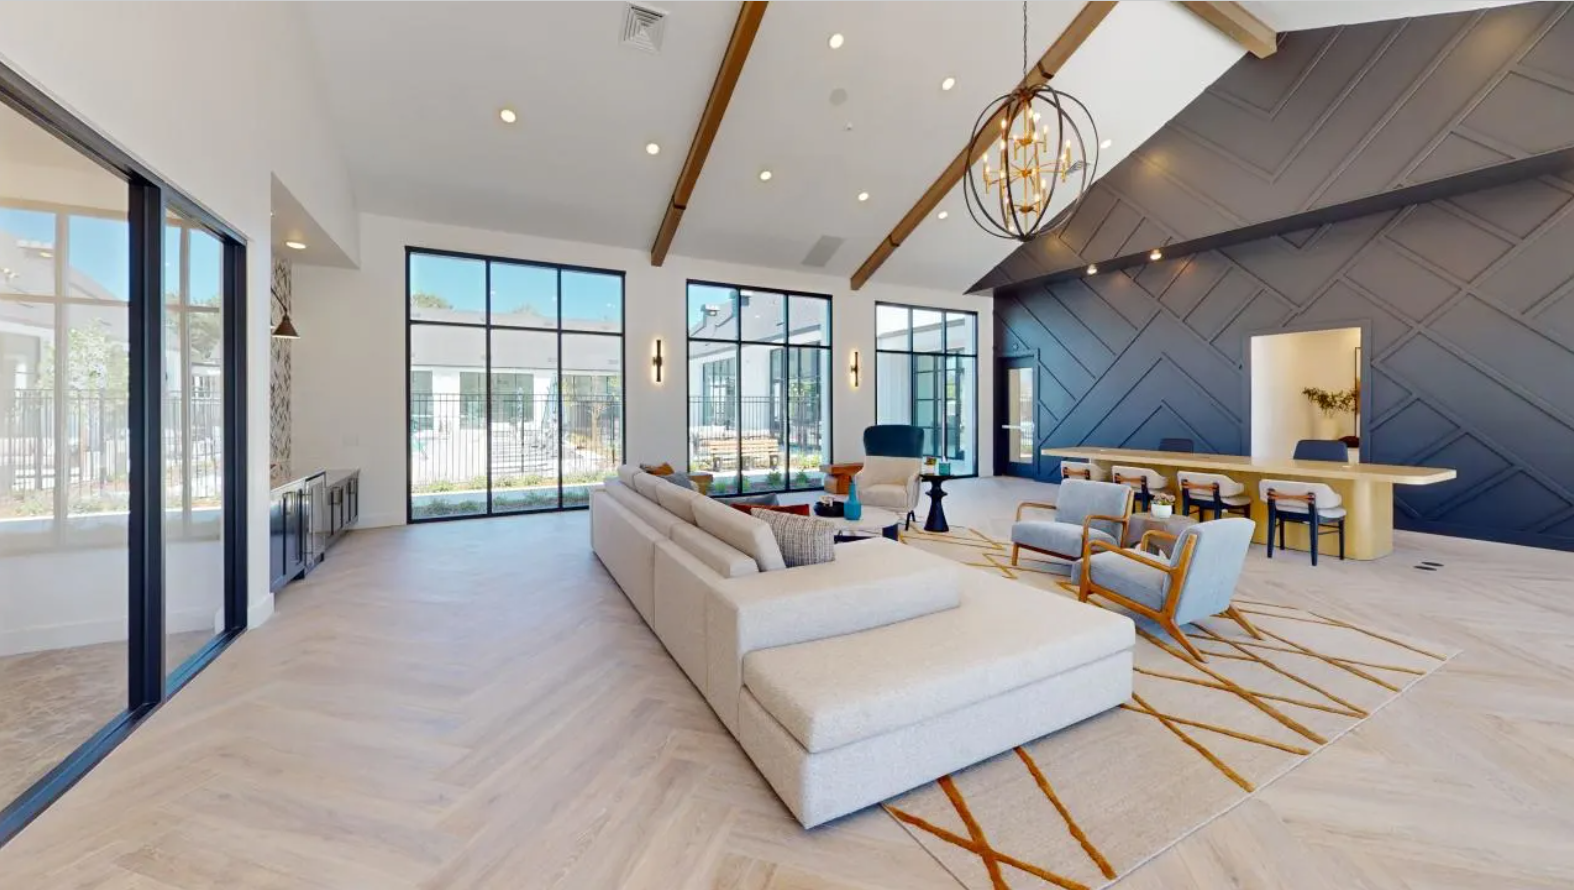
[
  {"x": 424, "y": 300},
  {"x": 1332, "y": 404}
]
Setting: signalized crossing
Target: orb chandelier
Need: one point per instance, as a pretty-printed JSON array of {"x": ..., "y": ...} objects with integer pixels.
[{"x": 1042, "y": 142}]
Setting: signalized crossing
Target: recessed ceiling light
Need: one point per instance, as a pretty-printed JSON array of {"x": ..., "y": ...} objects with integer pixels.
[
  {"x": 1156, "y": 254},
  {"x": 948, "y": 83},
  {"x": 942, "y": 214},
  {"x": 295, "y": 245},
  {"x": 507, "y": 115},
  {"x": 652, "y": 148},
  {"x": 836, "y": 41},
  {"x": 765, "y": 176},
  {"x": 863, "y": 196},
  {"x": 1093, "y": 269},
  {"x": 1106, "y": 143}
]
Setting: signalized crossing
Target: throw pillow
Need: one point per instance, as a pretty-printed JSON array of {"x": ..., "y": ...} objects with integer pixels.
[
  {"x": 755, "y": 500},
  {"x": 661, "y": 469},
  {"x": 804, "y": 540},
  {"x": 678, "y": 479},
  {"x": 794, "y": 509}
]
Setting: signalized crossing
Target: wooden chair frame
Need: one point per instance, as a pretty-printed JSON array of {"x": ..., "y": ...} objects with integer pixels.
[
  {"x": 1315, "y": 527},
  {"x": 1165, "y": 616},
  {"x": 1144, "y": 496},
  {"x": 1214, "y": 501},
  {"x": 1075, "y": 473},
  {"x": 1087, "y": 522}
]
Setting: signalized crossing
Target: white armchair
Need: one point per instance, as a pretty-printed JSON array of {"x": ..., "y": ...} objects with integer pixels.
[{"x": 890, "y": 483}]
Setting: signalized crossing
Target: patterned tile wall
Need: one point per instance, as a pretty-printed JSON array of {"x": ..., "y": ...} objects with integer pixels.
[
  {"x": 1470, "y": 301},
  {"x": 279, "y": 370}
]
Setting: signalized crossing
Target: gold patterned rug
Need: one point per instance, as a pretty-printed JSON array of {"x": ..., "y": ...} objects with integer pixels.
[{"x": 1087, "y": 805}]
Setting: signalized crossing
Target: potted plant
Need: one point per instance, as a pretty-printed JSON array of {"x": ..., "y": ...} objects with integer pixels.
[{"x": 1162, "y": 506}]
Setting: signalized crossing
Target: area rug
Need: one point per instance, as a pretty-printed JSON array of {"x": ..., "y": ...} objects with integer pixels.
[{"x": 1089, "y": 804}]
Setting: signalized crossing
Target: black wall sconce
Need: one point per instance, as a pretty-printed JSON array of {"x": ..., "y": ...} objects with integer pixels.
[
  {"x": 657, "y": 361},
  {"x": 853, "y": 369}
]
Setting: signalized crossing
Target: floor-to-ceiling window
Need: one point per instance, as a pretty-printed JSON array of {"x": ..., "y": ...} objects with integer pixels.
[
  {"x": 759, "y": 372},
  {"x": 516, "y": 384},
  {"x": 926, "y": 374},
  {"x": 121, "y": 436}
]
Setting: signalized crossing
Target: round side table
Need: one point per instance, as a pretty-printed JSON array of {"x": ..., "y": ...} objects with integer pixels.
[
  {"x": 1142, "y": 523},
  {"x": 936, "y": 519}
]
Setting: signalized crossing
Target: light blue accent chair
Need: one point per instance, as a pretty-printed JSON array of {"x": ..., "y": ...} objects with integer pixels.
[
  {"x": 1084, "y": 511},
  {"x": 1195, "y": 581}
]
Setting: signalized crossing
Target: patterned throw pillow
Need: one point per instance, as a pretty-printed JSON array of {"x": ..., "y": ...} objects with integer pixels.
[
  {"x": 804, "y": 540},
  {"x": 661, "y": 469}
]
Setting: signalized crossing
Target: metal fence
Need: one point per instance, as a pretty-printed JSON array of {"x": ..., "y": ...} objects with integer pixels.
[
  {"x": 93, "y": 464},
  {"x": 529, "y": 441}
]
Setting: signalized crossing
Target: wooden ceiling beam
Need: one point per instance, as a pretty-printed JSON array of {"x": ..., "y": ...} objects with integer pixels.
[
  {"x": 743, "y": 31},
  {"x": 1067, "y": 43},
  {"x": 1236, "y": 23}
]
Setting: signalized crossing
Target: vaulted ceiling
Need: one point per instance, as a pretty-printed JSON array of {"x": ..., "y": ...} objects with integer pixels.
[{"x": 416, "y": 88}]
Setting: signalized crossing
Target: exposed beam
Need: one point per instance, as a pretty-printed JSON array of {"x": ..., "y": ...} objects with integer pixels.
[
  {"x": 1552, "y": 163},
  {"x": 1236, "y": 23},
  {"x": 1055, "y": 57},
  {"x": 743, "y": 31}
]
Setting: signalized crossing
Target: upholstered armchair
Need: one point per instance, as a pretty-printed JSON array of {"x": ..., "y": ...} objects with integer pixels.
[
  {"x": 1195, "y": 581},
  {"x": 894, "y": 459},
  {"x": 1084, "y": 512},
  {"x": 890, "y": 483}
]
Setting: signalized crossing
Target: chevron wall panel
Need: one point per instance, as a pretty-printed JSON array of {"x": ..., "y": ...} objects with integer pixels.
[{"x": 1469, "y": 301}]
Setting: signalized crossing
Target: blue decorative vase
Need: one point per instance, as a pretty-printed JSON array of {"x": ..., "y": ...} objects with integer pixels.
[{"x": 853, "y": 510}]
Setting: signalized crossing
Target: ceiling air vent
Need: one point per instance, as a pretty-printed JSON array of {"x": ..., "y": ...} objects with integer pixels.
[
  {"x": 643, "y": 28},
  {"x": 822, "y": 251}
]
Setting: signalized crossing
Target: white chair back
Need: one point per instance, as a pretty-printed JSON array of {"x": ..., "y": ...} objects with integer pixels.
[
  {"x": 1156, "y": 480},
  {"x": 1227, "y": 487},
  {"x": 1327, "y": 498},
  {"x": 1079, "y": 469}
]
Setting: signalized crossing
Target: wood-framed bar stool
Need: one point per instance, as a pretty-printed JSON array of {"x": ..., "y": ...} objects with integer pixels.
[
  {"x": 1314, "y": 504},
  {"x": 1081, "y": 469},
  {"x": 1142, "y": 481},
  {"x": 1211, "y": 491}
]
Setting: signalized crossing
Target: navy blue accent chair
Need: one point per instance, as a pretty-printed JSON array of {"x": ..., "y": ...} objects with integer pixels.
[
  {"x": 894, "y": 440},
  {"x": 1181, "y": 445},
  {"x": 1322, "y": 449}
]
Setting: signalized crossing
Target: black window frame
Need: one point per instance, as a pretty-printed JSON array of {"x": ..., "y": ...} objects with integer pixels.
[
  {"x": 944, "y": 356},
  {"x": 487, "y": 326},
  {"x": 786, "y": 346},
  {"x": 149, "y": 682}
]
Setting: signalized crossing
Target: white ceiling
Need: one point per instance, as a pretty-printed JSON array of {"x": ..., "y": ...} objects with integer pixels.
[
  {"x": 414, "y": 89},
  {"x": 1300, "y": 15}
]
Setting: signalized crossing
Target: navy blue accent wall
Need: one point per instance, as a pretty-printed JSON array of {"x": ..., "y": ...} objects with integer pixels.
[{"x": 1469, "y": 302}]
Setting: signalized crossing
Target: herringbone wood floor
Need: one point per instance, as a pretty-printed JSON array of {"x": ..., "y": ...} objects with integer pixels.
[{"x": 474, "y": 705}]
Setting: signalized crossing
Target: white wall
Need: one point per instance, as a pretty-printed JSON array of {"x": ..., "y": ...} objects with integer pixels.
[
  {"x": 216, "y": 98},
  {"x": 349, "y": 365},
  {"x": 1283, "y": 365}
]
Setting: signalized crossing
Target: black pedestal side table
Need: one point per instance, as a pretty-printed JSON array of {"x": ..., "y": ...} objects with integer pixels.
[{"x": 936, "y": 520}]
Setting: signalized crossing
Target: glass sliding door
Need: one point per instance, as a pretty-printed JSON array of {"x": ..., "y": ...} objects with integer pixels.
[
  {"x": 516, "y": 384},
  {"x": 926, "y": 374},
  {"x": 121, "y": 398},
  {"x": 759, "y": 393}
]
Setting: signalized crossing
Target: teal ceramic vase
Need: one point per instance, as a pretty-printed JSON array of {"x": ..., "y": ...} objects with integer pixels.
[{"x": 854, "y": 510}]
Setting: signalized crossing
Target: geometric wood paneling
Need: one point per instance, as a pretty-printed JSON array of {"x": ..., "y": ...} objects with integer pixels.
[{"x": 1469, "y": 300}]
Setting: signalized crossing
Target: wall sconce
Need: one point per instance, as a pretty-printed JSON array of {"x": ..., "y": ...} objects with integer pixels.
[
  {"x": 657, "y": 361},
  {"x": 853, "y": 369},
  {"x": 286, "y": 328}
]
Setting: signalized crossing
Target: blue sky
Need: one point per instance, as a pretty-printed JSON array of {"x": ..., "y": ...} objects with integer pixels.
[
  {"x": 100, "y": 249},
  {"x": 587, "y": 296}
]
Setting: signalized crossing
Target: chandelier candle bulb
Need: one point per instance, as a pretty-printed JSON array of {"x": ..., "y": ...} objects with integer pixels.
[{"x": 1156, "y": 255}]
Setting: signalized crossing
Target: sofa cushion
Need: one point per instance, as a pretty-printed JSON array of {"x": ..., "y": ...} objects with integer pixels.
[
  {"x": 651, "y": 514},
  {"x": 714, "y": 553},
  {"x": 745, "y": 533},
  {"x": 677, "y": 500},
  {"x": 626, "y": 473},
  {"x": 804, "y": 540},
  {"x": 838, "y": 690},
  {"x": 1056, "y": 537},
  {"x": 648, "y": 485},
  {"x": 748, "y": 509}
]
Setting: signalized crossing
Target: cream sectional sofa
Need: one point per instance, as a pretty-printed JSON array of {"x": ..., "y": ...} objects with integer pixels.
[{"x": 852, "y": 681}]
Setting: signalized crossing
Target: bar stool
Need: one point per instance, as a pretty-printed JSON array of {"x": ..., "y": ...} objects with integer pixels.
[
  {"x": 1312, "y": 503},
  {"x": 1081, "y": 469},
  {"x": 1143, "y": 481},
  {"x": 1210, "y": 491}
]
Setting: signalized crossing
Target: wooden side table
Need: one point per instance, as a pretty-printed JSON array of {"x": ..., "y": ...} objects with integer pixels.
[
  {"x": 1142, "y": 523},
  {"x": 839, "y": 476},
  {"x": 702, "y": 482}
]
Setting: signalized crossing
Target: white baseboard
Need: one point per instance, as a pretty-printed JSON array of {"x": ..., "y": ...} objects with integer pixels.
[
  {"x": 260, "y": 611},
  {"x": 70, "y": 635}
]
